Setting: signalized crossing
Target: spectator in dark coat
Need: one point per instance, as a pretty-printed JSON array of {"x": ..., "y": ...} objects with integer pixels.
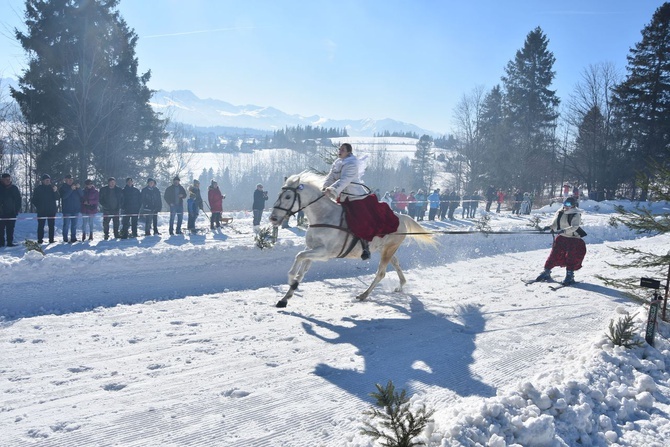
[
  {"x": 45, "y": 200},
  {"x": 111, "y": 201},
  {"x": 89, "y": 208},
  {"x": 518, "y": 198},
  {"x": 215, "y": 199},
  {"x": 490, "y": 197},
  {"x": 444, "y": 204},
  {"x": 10, "y": 205},
  {"x": 465, "y": 212},
  {"x": 474, "y": 203},
  {"x": 151, "y": 206},
  {"x": 132, "y": 202},
  {"x": 420, "y": 204},
  {"x": 174, "y": 196},
  {"x": 260, "y": 197},
  {"x": 454, "y": 200},
  {"x": 70, "y": 202}
]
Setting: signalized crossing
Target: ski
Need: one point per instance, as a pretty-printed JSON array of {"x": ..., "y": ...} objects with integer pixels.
[
  {"x": 533, "y": 281},
  {"x": 561, "y": 285},
  {"x": 529, "y": 281}
]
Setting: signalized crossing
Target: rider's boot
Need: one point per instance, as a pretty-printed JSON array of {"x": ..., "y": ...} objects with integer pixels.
[{"x": 366, "y": 250}]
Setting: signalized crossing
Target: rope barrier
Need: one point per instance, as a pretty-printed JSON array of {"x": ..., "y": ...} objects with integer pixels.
[{"x": 472, "y": 232}]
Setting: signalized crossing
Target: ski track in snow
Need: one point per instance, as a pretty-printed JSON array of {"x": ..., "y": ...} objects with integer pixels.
[{"x": 176, "y": 342}]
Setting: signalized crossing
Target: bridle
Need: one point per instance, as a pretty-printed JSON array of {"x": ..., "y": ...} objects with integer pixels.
[{"x": 296, "y": 198}]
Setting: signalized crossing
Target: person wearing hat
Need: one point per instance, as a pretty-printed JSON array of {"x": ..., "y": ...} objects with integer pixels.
[
  {"x": 174, "y": 196},
  {"x": 111, "y": 201},
  {"x": 151, "y": 206},
  {"x": 132, "y": 202},
  {"x": 569, "y": 248},
  {"x": 70, "y": 202},
  {"x": 10, "y": 205},
  {"x": 194, "y": 204},
  {"x": 215, "y": 199},
  {"x": 45, "y": 200},
  {"x": 89, "y": 208},
  {"x": 260, "y": 197}
]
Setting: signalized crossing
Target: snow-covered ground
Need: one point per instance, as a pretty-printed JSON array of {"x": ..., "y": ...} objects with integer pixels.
[{"x": 175, "y": 341}]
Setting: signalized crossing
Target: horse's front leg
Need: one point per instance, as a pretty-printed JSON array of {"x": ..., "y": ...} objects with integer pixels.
[{"x": 302, "y": 263}]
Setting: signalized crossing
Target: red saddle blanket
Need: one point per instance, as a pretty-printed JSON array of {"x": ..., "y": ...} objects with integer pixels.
[{"x": 368, "y": 217}]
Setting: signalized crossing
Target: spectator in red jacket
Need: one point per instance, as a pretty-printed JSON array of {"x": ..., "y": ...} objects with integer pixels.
[
  {"x": 215, "y": 199},
  {"x": 401, "y": 201}
]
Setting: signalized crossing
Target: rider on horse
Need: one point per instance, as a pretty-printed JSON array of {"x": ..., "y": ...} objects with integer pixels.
[{"x": 366, "y": 217}]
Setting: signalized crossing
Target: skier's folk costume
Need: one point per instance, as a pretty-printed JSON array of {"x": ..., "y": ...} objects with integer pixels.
[
  {"x": 366, "y": 217},
  {"x": 568, "y": 249}
]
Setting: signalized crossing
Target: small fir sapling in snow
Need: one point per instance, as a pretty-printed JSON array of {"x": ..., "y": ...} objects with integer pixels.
[
  {"x": 33, "y": 246},
  {"x": 264, "y": 238},
  {"x": 535, "y": 223},
  {"x": 623, "y": 332},
  {"x": 484, "y": 224},
  {"x": 397, "y": 426}
]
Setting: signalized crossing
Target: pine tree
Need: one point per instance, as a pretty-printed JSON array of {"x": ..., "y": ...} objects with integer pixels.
[
  {"x": 599, "y": 157},
  {"x": 531, "y": 110},
  {"x": 497, "y": 166},
  {"x": 83, "y": 91},
  {"x": 643, "y": 99},
  {"x": 422, "y": 163}
]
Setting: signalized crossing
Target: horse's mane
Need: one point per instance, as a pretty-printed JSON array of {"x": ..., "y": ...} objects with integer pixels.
[{"x": 306, "y": 177}]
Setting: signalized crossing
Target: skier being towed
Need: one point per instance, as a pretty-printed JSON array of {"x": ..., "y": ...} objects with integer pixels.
[{"x": 568, "y": 249}]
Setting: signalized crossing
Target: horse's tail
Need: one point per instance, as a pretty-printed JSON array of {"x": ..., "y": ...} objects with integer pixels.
[{"x": 412, "y": 228}]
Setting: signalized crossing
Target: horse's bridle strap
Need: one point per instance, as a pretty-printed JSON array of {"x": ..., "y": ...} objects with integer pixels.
[{"x": 296, "y": 197}]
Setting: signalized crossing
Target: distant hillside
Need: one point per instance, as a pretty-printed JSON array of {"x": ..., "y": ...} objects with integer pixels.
[{"x": 186, "y": 107}]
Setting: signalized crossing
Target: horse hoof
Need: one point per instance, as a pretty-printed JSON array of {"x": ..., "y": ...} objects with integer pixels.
[{"x": 281, "y": 304}]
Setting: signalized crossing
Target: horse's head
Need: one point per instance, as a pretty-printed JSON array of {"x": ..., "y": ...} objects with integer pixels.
[{"x": 298, "y": 192}]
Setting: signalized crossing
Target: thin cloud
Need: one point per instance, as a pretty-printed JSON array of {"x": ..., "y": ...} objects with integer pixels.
[{"x": 204, "y": 31}]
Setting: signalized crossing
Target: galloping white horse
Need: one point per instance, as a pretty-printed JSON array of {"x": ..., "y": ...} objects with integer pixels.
[{"x": 328, "y": 236}]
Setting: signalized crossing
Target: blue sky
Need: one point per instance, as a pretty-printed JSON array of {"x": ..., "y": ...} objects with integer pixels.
[{"x": 350, "y": 59}]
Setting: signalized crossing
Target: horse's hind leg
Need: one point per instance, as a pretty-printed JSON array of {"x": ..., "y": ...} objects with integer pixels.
[
  {"x": 388, "y": 254},
  {"x": 401, "y": 276}
]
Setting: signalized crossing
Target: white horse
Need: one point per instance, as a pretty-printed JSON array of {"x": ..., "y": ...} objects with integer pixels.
[{"x": 328, "y": 236}]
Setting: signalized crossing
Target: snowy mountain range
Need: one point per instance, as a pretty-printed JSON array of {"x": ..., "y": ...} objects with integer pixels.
[{"x": 186, "y": 107}]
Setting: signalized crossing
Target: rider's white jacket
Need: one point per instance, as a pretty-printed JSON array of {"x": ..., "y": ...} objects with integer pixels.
[{"x": 344, "y": 178}]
